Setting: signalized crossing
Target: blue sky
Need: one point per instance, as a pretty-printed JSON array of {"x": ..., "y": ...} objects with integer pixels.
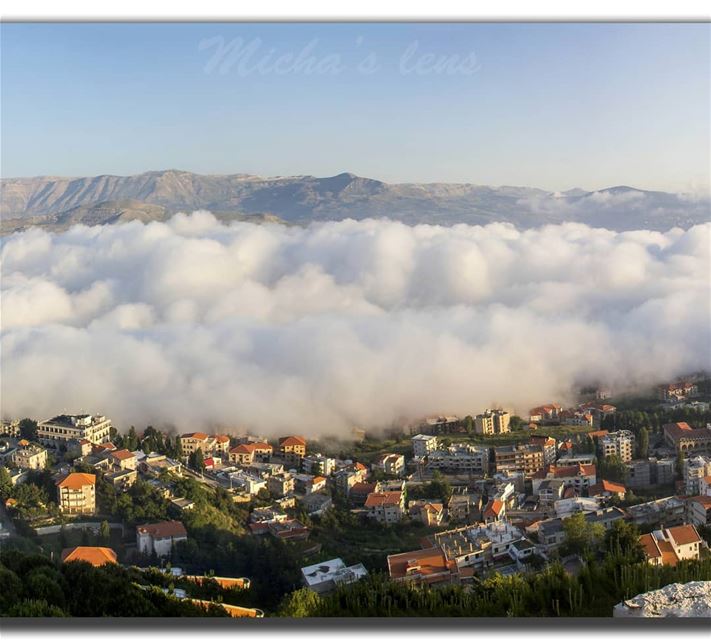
[{"x": 548, "y": 105}]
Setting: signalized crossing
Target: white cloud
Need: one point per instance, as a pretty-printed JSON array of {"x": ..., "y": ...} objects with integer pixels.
[{"x": 199, "y": 324}]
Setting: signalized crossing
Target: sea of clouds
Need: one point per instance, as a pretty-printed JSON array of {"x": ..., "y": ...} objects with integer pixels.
[{"x": 198, "y": 324}]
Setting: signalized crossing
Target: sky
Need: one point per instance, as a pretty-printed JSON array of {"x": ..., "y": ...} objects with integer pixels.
[{"x": 554, "y": 106}]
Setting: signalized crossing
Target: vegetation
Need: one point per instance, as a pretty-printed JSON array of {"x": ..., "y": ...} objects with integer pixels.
[{"x": 35, "y": 586}]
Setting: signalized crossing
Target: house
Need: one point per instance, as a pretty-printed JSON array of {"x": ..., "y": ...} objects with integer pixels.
[
  {"x": 549, "y": 446},
  {"x": 246, "y": 454},
  {"x": 677, "y": 392},
  {"x": 544, "y": 413},
  {"x": 607, "y": 489},
  {"x": 429, "y": 513},
  {"x": 28, "y": 455},
  {"x": 160, "y": 537},
  {"x": 96, "y": 556},
  {"x": 495, "y": 510},
  {"x": 121, "y": 480},
  {"x": 666, "y": 547},
  {"x": 387, "y": 507},
  {"x": 123, "y": 459},
  {"x": 427, "y": 566},
  {"x": 463, "y": 507},
  {"x": 699, "y": 510},
  {"x": 60, "y": 430},
  {"x": 288, "y": 530},
  {"x": 292, "y": 450},
  {"x": 391, "y": 464},
  {"x": 316, "y": 504},
  {"x": 77, "y": 493},
  {"x": 423, "y": 444},
  {"x": 578, "y": 476},
  {"x": 667, "y": 511},
  {"x": 348, "y": 476},
  {"x": 326, "y": 576},
  {"x": 305, "y": 483},
  {"x": 360, "y": 491}
]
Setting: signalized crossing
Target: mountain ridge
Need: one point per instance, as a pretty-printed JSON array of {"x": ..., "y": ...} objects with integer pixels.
[{"x": 54, "y": 202}]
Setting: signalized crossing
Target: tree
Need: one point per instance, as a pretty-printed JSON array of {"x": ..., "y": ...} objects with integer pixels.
[
  {"x": 580, "y": 535},
  {"x": 28, "y": 429},
  {"x": 643, "y": 443},
  {"x": 612, "y": 468},
  {"x": 196, "y": 460},
  {"x": 301, "y": 603},
  {"x": 104, "y": 532}
]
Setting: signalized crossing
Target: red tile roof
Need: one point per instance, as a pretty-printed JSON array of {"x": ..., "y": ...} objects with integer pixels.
[
  {"x": 606, "y": 485},
  {"x": 383, "y": 498},
  {"x": 290, "y": 441},
  {"x": 166, "y": 529},
  {"x": 123, "y": 454},
  {"x": 77, "y": 481},
  {"x": 429, "y": 564},
  {"x": 96, "y": 556},
  {"x": 684, "y": 534}
]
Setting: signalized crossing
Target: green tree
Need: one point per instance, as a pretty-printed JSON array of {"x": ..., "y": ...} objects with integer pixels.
[
  {"x": 104, "y": 532},
  {"x": 196, "y": 460},
  {"x": 580, "y": 535},
  {"x": 643, "y": 443},
  {"x": 301, "y": 603},
  {"x": 28, "y": 429}
]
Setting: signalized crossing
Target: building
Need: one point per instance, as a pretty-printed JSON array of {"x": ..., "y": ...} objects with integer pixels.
[
  {"x": 160, "y": 537},
  {"x": 545, "y": 413},
  {"x": 618, "y": 443},
  {"x": 292, "y": 450},
  {"x": 391, "y": 464},
  {"x": 438, "y": 425},
  {"x": 280, "y": 484},
  {"x": 492, "y": 422},
  {"x": 123, "y": 459},
  {"x": 607, "y": 489},
  {"x": 360, "y": 491},
  {"x": 577, "y": 476},
  {"x": 77, "y": 493},
  {"x": 426, "y": 566},
  {"x": 121, "y": 480},
  {"x": 60, "y": 430},
  {"x": 326, "y": 576},
  {"x": 528, "y": 458},
  {"x": 28, "y": 455},
  {"x": 387, "y": 507},
  {"x": 549, "y": 445},
  {"x": 667, "y": 547},
  {"x": 423, "y": 444},
  {"x": 677, "y": 392},
  {"x": 688, "y": 441},
  {"x": 249, "y": 453},
  {"x": 318, "y": 464},
  {"x": 551, "y": 533},
  {"x": 460, "y": 458},
  {"x": 10, "y": 428},
  {"x": 699, "y": 510},
  {"x": 669, "y": 511},
  {"x": 191, "y": 442},
  {"x": 696, "y": 468},
  {"x": 96, "y": 556},
  {"x": 429, "y": 513}
]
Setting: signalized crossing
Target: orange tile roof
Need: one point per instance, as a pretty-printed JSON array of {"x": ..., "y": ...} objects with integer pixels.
[
  {"x": 318, "y": 479},
  {"x": 123, "y": 454},
  {"x": 383, "y": 498},
  {"x": 77, "y": 480},
  {"x": 96, "y": 556},
  {"x": 684, "y": 534},
  {"x": 167, "y": 529},
  {"x": 24, "y": 443},
  {"x": 222, "y": 438},
  {"x": 606, "y": 485},
  {"x": 290, "y": 441},
  {"x": 427, "y": 563},
  {"x": 494, "y": 509},
  {"x": 669, "y": 557},
  {"x": 198, "y": 435},
  {"x": 649, "y": 544}
]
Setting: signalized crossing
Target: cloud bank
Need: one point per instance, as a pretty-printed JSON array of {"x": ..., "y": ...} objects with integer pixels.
[{"x": 202, "y": 325}]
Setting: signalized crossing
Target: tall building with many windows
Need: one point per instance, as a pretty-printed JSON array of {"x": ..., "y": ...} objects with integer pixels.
[
  {"x": 61, "y": 429},
  {"x": 492, "y": 421}
]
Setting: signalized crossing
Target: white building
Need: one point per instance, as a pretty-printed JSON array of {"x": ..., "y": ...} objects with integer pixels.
[
  {"x": 326, "y": 576},
  {"x": 317, "y": 464},
  {"x": 392, "y": 464},
  {"x": 29, "y": 456},
  {"x": 460, "y": 458},
  {"x": 159, "y": 538},
  {"x": 422, "y": 444},
  {"x": 387, "y": 507},
  {"x": 61, "y": 429},
  {"x": 696, "y": 468}
]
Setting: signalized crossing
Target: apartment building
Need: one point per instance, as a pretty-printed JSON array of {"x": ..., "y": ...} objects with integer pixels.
[
  {"x": 577, "y": 476},
  {"x": 28, "y": 455},
  {"x": 422, "y": 444},
  {"x": 60, "y": 430},
  {"x": 696, "y": 468},
  {"x": 318, "y": 464},
  {"x": 618, "y": 443},
  {"x": 387, "y": 507},
  {"x": 492, "y": 422},
  {"x": 698, "y": 510},
  {"x": 667, "y": 547},
  {"x": 280, "y": 484},
  {"x": 77, "y": 493},
  {"x": 460, "y": 458},
  {"x": 528, "y": 458},
  {"x": 292, "y": 450},
  {"x": 549, "y": 445}
]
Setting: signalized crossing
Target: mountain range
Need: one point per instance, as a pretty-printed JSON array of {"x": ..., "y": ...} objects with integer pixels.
[{"x": 56, "y": 203}]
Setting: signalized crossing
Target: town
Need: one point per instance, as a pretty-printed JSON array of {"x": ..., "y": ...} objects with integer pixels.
[{"x": 236, "y": 524}]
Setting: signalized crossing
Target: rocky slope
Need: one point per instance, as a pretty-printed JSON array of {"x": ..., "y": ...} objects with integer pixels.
[
  {"x": 57, "y": 202},
  {"x": 689, "y": 600}
]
